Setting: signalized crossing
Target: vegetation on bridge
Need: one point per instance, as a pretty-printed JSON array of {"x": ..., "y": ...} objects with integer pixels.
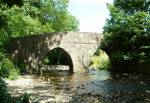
[{"x": 127, "y": 34}]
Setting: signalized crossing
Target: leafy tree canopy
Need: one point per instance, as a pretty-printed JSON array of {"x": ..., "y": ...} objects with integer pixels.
[
  {"x": 25, "y": 17},
  {"x": 127, "y": 32}
]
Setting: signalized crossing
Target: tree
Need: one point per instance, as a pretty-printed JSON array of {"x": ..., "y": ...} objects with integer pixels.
[
  {"x": 55, "y": 12},
  {"x": 10, "y": 3},
  {"x": 29, "y": 17},
  {"x": 127, "y": 33}
]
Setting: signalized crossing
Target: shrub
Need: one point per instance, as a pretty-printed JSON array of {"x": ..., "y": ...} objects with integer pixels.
[
  {"x": 5, "y": 97},
  {"x": 14, "y": 74},
  {"x": 100, "y": 60},
  {"x": 7, "y": 69}
]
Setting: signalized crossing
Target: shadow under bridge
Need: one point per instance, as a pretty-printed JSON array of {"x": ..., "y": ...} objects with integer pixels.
[{"x": 57, "y": 59}]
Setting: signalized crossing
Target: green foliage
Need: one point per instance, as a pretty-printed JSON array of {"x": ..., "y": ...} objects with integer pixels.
[
  {"x": 126, "y": 33},
  {"x": 7, "y": 69},
  {"x": 132, "y": 6},
  {"x": 35, "y": 17},
  {"x": 20, "y": 64},
  {"x": 100, "y": 60},
  {"x": 5, "y": 97},
  {"x": 24, "y": 98},
  {"x": 19, "y": 24},
  {"x": 12, "y": 2},
  {"x": 28, "y": 17},
  {"x": 55, "y": 12},
  {"x": 46, "y": 61},
  {"x": 14, "y": 74}
]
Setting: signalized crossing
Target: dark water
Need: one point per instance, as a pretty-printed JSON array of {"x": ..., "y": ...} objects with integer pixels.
[{"x": 93, "y": 87}]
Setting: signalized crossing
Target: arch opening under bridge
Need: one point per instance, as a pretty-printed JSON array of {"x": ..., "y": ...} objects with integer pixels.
[{"x": 58, "y": 56}]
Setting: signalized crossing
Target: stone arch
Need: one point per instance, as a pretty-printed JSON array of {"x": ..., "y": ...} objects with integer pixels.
[
  {"x": 78, "y": 47},
  {"x": 59, "y": 56}
]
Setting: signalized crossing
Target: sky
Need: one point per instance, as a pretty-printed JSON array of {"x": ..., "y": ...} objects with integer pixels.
[{"x": 91, "y": 14}]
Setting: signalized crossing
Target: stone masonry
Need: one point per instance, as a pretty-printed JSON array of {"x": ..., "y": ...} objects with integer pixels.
[{"x": 32, "y": 49}]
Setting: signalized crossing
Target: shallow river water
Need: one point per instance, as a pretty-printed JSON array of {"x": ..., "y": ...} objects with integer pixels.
[{"x": 94, "y": 87}]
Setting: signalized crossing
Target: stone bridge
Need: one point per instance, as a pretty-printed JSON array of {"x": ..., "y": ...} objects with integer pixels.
[{"x": 77, "y": 47}]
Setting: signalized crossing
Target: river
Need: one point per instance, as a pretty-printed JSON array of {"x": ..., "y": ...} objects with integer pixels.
[{"x": 97, "y": 86}]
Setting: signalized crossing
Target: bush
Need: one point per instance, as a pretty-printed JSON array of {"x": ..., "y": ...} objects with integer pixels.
[
  {"x": 7, "y": 69},
  {"x": 100, "y": 60},
  {"x": 14, "y": 74},
  {"x": 5, "y": 97}
]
